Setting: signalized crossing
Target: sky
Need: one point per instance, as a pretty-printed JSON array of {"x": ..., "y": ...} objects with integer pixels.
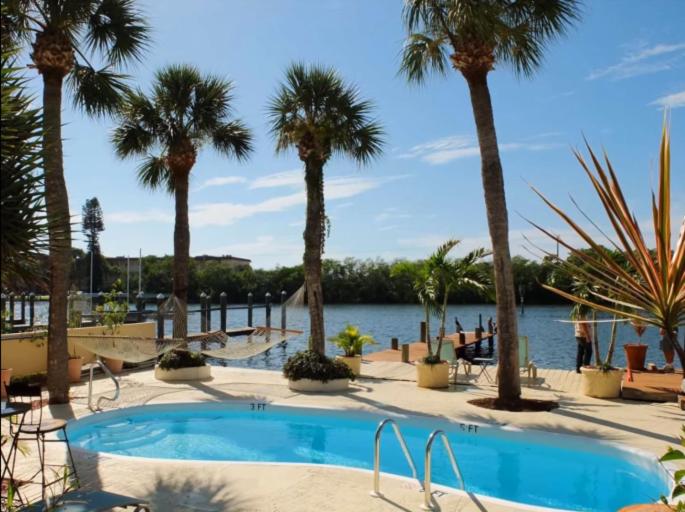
[{"x": 607, "y": 80}]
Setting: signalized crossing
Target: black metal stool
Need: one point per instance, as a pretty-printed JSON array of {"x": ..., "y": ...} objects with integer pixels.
[{"x": 35, "y": 428}]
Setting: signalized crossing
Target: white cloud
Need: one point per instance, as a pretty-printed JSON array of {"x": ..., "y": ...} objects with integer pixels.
[
  {"x": 674, "y": 100},
  {"x": 136, "y": 216},
  {"x": 446, "y": 149},
  {"x": 292, "y": 178},
  {"x": 221, "y": 181},
  {"x": 646, "y": 60},
  {"x": 391, "y": 214}
]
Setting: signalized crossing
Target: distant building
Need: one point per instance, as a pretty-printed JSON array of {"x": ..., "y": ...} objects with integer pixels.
[
  {"x": 120, "y": 262},
  {"x": 227, "y": 259}
]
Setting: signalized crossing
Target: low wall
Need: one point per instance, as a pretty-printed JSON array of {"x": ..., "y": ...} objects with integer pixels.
[{"x": 27, "y": 353}]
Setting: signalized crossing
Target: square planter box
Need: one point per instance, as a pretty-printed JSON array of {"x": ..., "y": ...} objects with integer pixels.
[{"x": 316, "y": 386}]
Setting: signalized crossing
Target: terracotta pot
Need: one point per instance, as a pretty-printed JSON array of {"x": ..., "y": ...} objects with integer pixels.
[
  {"x": 651, "y": 507},
  {"x": 433, "y": 376},
  {"x": 115, "y": 365},
  {"x": 353, "y": 362},
  {"x": 5, "y": 380},
  {"x": 636, "y": 353},
  {"x": 75, "y": 365},
  {"x": 601, "y": 384}
]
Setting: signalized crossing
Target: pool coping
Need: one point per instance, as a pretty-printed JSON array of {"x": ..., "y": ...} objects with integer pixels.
[{"x": 666, "y": 469}]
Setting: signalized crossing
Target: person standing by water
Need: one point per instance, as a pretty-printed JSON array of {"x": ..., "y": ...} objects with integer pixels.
[
  {"x": 666, "y": 345},
  {"x": 583, "y": 334}
]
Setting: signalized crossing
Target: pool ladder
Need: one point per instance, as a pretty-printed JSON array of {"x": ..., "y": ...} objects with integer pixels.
[
  {"x": 426, "y": 486},
  {"x": 106, "y": 371}
]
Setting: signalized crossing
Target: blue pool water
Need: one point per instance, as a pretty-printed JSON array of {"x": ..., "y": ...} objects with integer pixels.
[{"x": 544, "y": 469}]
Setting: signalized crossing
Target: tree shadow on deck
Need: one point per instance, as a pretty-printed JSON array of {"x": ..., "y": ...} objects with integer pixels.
[{"x": 187, "y": 494}]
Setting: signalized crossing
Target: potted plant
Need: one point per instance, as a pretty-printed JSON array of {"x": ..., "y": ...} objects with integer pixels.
[
  {"x": 5, "y": 378},
  {"x": 310, "y": 371},
  {"x": 112, "y": 313},
  {"x": 181, "y": 364},
  {"x": 439, "y": 277},
  {"x": 351, "y": 342},
  {"x": 636, "y": 353}
]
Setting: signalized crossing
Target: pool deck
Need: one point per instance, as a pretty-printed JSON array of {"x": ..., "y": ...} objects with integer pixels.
[{"x": 384, "y": 387}]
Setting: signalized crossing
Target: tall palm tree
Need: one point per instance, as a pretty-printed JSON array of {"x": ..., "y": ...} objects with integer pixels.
[
  {"x": 184, "y": 112},
  {"x": 320, "y": 115},
  {"x": 472, "y": 36},
  {"x": 66, "y": 37}
]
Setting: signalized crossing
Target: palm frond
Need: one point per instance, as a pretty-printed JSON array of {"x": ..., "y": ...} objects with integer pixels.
[
  {"x": 97, "y": 92},
  {"x": 421, "y": 55},
  {"x": 233, "y": 139},
  {"x": 118, "y": 30},
  {"x": 154, "y": 173}
]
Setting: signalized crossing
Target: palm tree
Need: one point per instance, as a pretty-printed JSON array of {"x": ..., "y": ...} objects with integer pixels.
[
  {"x": 167, "y": 129},
  {"x": 66, "y": 36},
  {"x": 320, "y": 115},
  {"x": 444, "y": 276},
  {"x": 474, "y": 35}
]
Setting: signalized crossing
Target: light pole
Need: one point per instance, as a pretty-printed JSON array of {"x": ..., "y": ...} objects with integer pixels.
[{"x": 91, "y": 279}]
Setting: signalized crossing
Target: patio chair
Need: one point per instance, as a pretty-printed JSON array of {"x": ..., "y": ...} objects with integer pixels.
[
  {"x": 525, "y": 363},
  {"x": 448, "y": 353},
  {"x": 90, "y": 501},
  {"x": 38, "y": 429}
]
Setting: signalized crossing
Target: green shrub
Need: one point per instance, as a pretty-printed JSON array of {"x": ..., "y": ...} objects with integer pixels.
[
  {"x": 312, "y": 365},
  {"x": 176, "y": 359}
]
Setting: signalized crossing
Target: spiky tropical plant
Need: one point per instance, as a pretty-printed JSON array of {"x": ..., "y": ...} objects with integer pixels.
[
  {"x": 473, "y": 36},
  {"x": 68, "y": 37},
  {"x": 649, "y": 288},
  {"x": 351, "y": 341},
  {"x": 317, "y": 113},
  {"x": 22, "y": 194},
  {"x": 445, "y": 275},
  {"x": 184, "y": 112}
]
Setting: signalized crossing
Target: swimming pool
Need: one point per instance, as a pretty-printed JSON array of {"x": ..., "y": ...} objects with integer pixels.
[{"x": 532, "y": 467}]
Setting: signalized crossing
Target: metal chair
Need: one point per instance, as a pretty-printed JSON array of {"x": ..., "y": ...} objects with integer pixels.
[
  {"x": 448, "y": 353},
  {"x": 36, "y": 428},
  {"x": 483, "y": 363}
]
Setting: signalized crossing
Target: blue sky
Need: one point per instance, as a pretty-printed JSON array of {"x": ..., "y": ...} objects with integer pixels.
[{"x": 608, "y": 79}]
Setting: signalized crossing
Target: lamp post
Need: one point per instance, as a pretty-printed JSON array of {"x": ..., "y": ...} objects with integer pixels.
[{"x": 91, "y": 279}]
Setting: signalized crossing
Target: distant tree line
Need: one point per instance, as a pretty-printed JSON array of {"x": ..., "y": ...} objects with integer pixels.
[{"x": 348, "y": 281}]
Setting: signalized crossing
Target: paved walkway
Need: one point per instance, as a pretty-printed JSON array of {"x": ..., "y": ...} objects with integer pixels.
[{"x": 179, "y": 485}]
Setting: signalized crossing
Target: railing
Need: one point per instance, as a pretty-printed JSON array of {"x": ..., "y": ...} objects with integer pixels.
[
  {"x": 427, "y": 503},
  {"x": 377, "y": 455},
  {"x": 106, "y": 371}
]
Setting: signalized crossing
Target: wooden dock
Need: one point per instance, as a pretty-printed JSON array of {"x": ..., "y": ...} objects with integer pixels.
[
  {"x": 652, "y": 386},
  {"x": 419, "y": 349}
]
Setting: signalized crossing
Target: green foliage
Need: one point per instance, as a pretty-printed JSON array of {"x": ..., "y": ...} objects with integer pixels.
[
  {"x": 185, "y": 111},
  {"x": 112, "y": 313},
  {"x": 22, "y": 204},
  {"x": 515, "y": 33},
  {"x": 309, "y": 364},
  {"x": 673, "y": 455},
  {"x": 351, "y": 341},
  {"x": 175, "y": 359},
  {"x": 105, "y": 32}
]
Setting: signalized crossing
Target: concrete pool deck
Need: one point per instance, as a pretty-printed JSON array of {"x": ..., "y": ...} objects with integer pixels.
[{"x": 199, "y": 486}]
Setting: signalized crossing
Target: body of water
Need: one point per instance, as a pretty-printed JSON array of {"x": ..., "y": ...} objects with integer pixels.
[{"x": 552, "y": 344}]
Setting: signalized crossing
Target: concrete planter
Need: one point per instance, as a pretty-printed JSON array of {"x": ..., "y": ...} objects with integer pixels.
[
  {"x": 353, "y": 362},
  {"x": 652, "y": 507},
  {"x": 316, "y": 386},
  {"x": 599, "y": 384},
  {"x": 194, "y": 373},
  {"x": 74, "y": 369},
  {"x": 433, "y": 376}
]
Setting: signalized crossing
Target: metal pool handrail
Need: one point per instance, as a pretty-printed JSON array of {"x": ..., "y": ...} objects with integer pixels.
[
  {"x": 427, "y": 505},
  {"x": 106, "y": 371},
  {"x": 377, "y": 455}
]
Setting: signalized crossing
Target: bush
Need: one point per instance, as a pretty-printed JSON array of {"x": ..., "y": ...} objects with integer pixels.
[
  {"x": 176, "y": 359},
  {"x": 312, "y": 365}
]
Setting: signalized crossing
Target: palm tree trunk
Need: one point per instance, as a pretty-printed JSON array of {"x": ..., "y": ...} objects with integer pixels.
[
  {"x": 313, "y": 240},
  {"x": 57, "y": 207},
  {"x": 181, "y": 255},
  {"x": 509, "y": 381}
]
